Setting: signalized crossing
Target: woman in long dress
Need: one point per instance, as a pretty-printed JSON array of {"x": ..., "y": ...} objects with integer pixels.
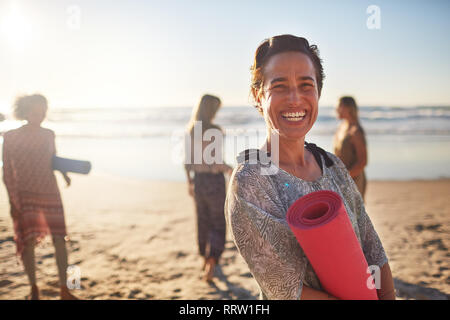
[
  {"x": 206, "y": 181},
  {"x": 36, "y": 206}
]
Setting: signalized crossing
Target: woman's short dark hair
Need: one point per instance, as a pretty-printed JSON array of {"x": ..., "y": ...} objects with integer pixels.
[{"x": 284, "y": 43}]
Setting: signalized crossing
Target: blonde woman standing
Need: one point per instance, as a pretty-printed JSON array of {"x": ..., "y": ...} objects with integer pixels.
[
  {"x": 206, "y": 181},
  {"x": 36, "y": 206},
  {"x": 350, "y": 142}
]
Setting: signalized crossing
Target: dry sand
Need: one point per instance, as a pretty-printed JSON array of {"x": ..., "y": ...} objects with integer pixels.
[{"x": 137, "y": 240}]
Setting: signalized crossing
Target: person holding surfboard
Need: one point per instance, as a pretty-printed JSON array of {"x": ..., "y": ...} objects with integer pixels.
[
  {"x": 34, "y": 197},
  {"x": 287, "y": 79}
]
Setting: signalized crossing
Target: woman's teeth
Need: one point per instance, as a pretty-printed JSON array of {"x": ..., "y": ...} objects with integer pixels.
[{"x": 293, "y": 116}]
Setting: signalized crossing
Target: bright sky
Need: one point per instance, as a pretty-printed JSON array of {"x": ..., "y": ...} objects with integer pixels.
[{"x": 104, "y": 53}]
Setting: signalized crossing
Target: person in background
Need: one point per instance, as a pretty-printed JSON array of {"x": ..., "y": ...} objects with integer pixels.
[
  {"x": 350, "y": 142},
  {"x": 36, "y": 206},
  {"x": 206, "y": 183}
]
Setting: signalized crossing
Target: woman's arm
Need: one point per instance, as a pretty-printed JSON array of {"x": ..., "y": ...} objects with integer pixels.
[
  {"x": 224, "y": 168},
  {"x": 9, "y": 177},
  {"x": 313, "y": 294},
  {"x": 358, "y": 141},
  {"x": 387, "y": 290},
  {"x": 190, "y": 180},
  {"x": 188, "y": 170},
  {"x": 53, "y": 150}
]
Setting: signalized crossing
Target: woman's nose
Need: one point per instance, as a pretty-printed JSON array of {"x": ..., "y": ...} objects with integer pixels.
[{"x": 295, "y": 96}]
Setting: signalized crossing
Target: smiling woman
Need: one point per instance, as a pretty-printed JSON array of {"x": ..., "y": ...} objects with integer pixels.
[{"x": 286, "y": 86}]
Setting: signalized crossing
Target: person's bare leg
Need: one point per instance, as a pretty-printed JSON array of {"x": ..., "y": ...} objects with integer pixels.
[
  {"x": 30, "y": 268},
  {"x": 209, "y": 268},
  {"x": 62, "y": 263}
]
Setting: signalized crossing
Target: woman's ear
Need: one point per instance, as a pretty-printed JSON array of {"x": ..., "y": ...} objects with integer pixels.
[{"x": 257, "y": 97}]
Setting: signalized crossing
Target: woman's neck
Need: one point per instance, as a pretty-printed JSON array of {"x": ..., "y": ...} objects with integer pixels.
[
  {"x": 33, "y": 125},
  {"x": 350, "y": 121},
  {"x": 290, "y": 152}
]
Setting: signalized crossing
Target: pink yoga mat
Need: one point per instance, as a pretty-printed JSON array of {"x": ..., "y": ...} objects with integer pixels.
[{"x": 324, "y": 231}]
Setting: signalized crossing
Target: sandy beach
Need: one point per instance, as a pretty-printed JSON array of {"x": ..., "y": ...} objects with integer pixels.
[{"x": 136, "y": 239}]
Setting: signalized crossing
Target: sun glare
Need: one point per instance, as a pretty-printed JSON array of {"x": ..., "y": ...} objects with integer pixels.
[{"x": 15, "y": 28}]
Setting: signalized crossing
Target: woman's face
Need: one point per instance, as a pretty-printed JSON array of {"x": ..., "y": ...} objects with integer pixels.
[
  {"x": 342, "y": 112},
  {"x": 36, "y": 114},
  {"x": 290, "y": 95}
]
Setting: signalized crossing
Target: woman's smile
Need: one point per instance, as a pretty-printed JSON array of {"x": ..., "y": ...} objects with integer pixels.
[{"x": 294, "y": 116}]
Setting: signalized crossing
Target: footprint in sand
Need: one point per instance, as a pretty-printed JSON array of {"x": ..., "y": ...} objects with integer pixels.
[
  {"x": 49, "y": 293},
  {"x": 436, "y": 275},
  {"x": 435, "y": 242},
  {"x": 420, "y": 227},
  {"x": 180, "y": 254},
  {"x": 113, "y": 257},
  {"x": 4, "y": 283},
  {"x": 19, "y": 285},
  {"x": 175, "y": 276},
  {"x": 53, "y": 283},
  {"x": 133, "y": 293},
  {"x": 6, "y": 239},
  {"x": 116, "y": 294}
]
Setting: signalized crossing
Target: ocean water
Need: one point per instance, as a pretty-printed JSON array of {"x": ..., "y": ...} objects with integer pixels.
[{"x": 403, "y": 143}]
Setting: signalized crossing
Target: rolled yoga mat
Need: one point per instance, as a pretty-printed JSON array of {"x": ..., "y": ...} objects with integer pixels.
[
  {"x": 70, "y": 165},
  {"x": 324, "y": 231}
]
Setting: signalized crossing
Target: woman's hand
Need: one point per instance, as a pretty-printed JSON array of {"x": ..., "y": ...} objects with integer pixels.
[
  {"x": 222, "y": 168},
  {"x": 14, "y": 212},
  {"x": 67, "y": 179},
  {"x": 191, "y": 189},
  {"x": 387, "y": 289},
  {"x": 358, "y": 141},
  {"x": 313, "y": 294}
]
